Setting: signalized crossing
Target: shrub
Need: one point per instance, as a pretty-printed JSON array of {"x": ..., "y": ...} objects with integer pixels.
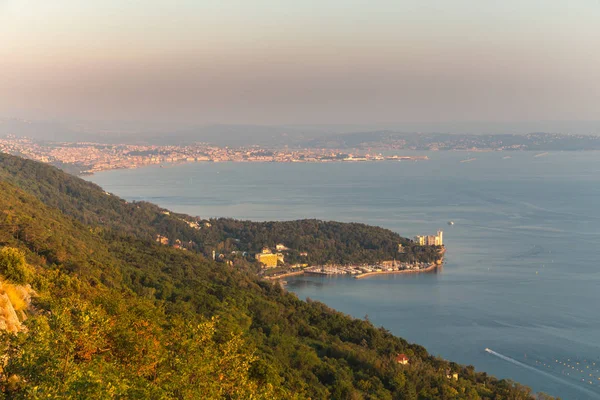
[{"x": 13, "y": 265}]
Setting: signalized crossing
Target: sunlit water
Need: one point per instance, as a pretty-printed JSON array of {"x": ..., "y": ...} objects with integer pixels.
[{"x": 522, "y": 271}]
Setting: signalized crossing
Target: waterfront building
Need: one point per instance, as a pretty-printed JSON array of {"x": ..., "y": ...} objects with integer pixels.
[{"x": 430, "y": 240}]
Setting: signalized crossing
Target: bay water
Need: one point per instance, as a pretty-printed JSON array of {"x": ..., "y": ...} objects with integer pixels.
[{"x": 522, "y": 267}]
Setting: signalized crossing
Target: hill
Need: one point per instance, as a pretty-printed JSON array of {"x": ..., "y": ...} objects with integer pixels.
[
  {"x": 326, "y": 242},
  {"x": 114, "y": 314}
]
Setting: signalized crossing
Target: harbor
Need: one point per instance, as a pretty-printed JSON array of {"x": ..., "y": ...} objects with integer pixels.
[{"x": 364, "y": 271}]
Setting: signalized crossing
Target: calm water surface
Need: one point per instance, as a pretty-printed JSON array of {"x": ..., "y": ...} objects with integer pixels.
[{"x": 522, "y": 272}]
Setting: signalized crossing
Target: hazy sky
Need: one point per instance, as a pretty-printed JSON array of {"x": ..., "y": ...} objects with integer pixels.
[{"x": 305, "y": 62}]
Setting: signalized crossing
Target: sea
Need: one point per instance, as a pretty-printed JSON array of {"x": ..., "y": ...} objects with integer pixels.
[{"x": 521, "y": 276}]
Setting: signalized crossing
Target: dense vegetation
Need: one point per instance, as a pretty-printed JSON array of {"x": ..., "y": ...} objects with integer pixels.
[
  {"x": 325, "y": 242},
  {"x": 117, "y": 315}
]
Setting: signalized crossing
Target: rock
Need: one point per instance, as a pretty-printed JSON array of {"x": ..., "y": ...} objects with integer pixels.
[
  {"x": 12, "y": 315},
  {"x": 9, "y": 321}
]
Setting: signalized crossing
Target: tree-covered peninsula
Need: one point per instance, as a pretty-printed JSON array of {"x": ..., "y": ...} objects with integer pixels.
[{"x": 92, "y": 306}]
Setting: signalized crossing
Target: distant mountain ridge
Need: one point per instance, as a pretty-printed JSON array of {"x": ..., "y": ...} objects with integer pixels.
[
  {"x": 444, "y": 141},
  {"x": 569, "y": 135}
]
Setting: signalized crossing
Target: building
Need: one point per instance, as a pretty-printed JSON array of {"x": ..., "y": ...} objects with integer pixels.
[
  {"x": 162, "y": 239},
  {"x": 268, "y": 259},
  {"x": 451, "y": 375},
  {"x": 280, "y": 247},
  {"x": 402, "y": 359},
  {"x": 430, "y": 240},
  {"x": 179, "y": 245}
]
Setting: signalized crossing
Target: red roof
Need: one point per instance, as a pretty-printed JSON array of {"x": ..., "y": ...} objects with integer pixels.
[{"x": 401, "y": 357}]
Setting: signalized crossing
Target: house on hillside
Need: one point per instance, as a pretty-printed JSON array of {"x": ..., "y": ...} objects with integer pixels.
[
  {"x": 451, "y": 375},
  {"x": 162, "y": 239},
  {"x": 402, "y": 359}
]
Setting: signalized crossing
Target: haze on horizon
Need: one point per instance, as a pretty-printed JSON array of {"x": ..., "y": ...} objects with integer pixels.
[{"x": 367, "y": 63}]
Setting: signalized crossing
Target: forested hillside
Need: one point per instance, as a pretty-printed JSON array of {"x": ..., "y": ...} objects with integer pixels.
[
  {"x": 113, "y": 314},
  {"x": 325, "y": 242}
]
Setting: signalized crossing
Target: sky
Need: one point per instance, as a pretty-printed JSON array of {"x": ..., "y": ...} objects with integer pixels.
[{"x": 300, "y": 62}]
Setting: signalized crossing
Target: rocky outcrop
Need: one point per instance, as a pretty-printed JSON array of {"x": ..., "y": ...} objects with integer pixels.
[{"x": 14, "y": 299}]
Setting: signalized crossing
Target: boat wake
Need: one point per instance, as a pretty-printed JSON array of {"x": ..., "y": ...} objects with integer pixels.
[
  {"x": 510, "y": 360},
  {"x": 529, "y": 367}
]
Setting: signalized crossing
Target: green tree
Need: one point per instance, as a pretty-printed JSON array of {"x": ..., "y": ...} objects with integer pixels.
[{"x": 13, "y": 265}]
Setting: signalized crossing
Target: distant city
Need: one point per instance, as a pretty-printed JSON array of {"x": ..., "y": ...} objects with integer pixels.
[{"x": 88, "y": 157}]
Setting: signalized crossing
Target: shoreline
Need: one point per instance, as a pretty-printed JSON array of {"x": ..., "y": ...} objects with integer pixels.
[
  {"x": 90, "y": 172},
  {"x": 403, "y": 271},
  {"x": 284, "y": 275},
  {"x": 430, "y": 268}
]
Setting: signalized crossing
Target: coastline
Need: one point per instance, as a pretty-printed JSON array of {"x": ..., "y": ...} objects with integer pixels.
[
  {"x": 92, "y": 170},
  {"x": 284, "y": 275},
  {"x": 430, "y": 268}
]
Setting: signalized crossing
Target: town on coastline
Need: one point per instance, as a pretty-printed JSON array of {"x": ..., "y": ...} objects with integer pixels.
[
  {"x": 87, "y": 158},
  {"x": 274, "y": 267}
]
